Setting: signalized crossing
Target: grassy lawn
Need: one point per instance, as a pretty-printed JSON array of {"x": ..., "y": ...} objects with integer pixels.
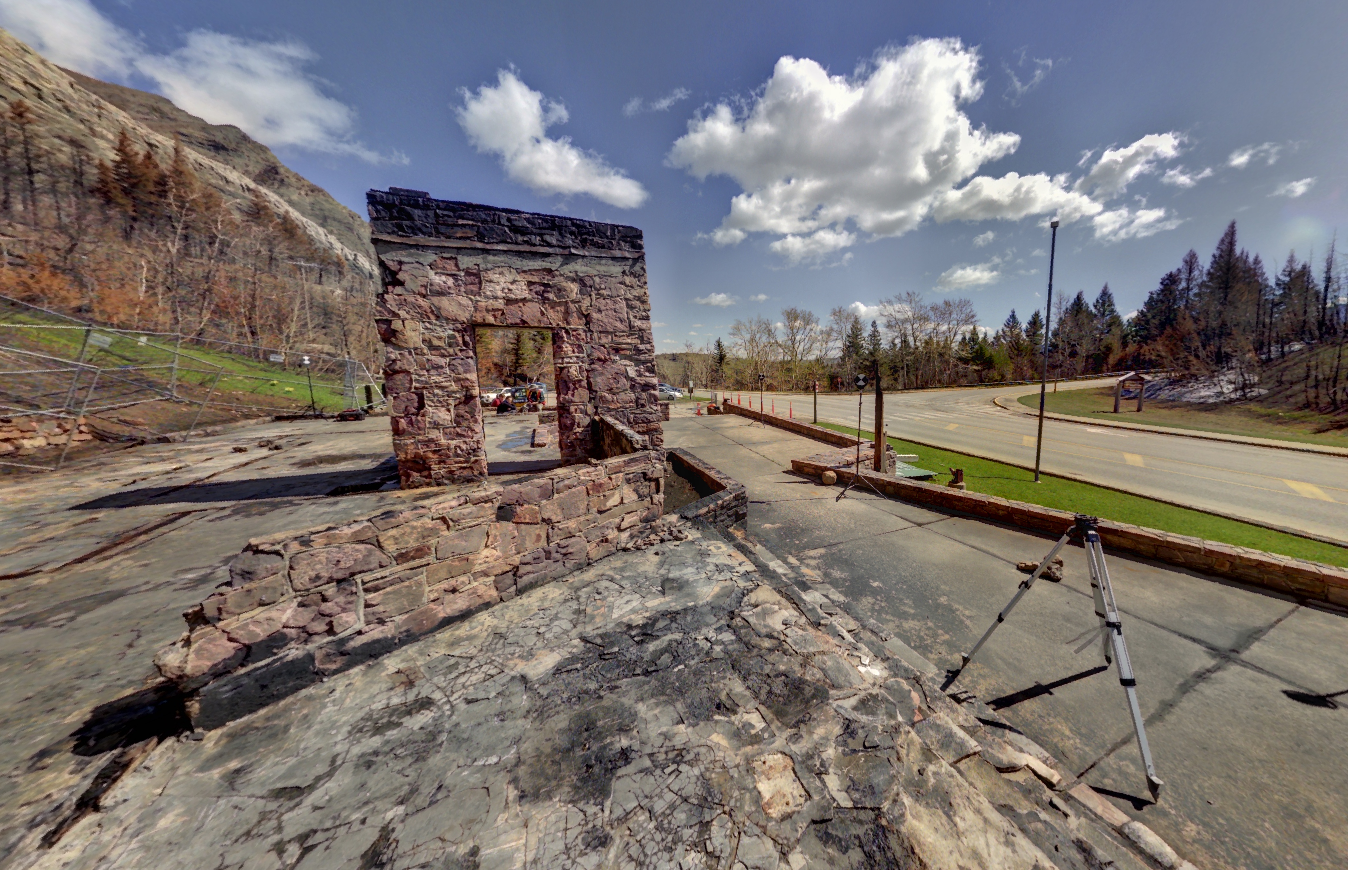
[
  {"x": 1008, "y": 481},
  {"x": 1242, "y": 419},
  {"x": 242, "y": 376}
]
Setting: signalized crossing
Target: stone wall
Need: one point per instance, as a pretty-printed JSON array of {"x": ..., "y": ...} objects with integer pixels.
[
  {"x": 449, "y": 267},
  {"x": 728, "y": 502},
  {"x": 302, "y": 605}
]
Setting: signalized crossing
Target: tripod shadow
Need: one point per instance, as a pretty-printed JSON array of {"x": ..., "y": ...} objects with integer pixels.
[
  {"x": 1139, "y": 803},
  {"x": 1325, "y": 701},
  {"x": 1038, "y": 690}
]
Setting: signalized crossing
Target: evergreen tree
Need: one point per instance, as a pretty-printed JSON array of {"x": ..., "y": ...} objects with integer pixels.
[{"x": 1034, "y": 332}]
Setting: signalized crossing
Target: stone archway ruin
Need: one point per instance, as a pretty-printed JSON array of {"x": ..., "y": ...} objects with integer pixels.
[{"x": 448, "y": 267}]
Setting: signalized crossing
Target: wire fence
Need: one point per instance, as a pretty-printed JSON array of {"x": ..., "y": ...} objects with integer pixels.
[{"x": 69, "y": 381}]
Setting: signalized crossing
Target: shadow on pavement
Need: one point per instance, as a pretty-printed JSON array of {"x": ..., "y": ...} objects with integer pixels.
[{"x": 329, "y": 483}]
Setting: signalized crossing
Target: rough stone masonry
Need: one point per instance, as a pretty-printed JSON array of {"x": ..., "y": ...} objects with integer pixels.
[
  {"x": 303, "y": 605},
  {"x": 449, "y": 267}
]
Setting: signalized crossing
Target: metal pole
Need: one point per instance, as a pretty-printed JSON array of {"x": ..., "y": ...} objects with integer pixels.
[
  {"x": 816, "y": 401},
  {"x": 75, "y": 425},
  {"x": 75, "y": 378},
  {"x": 1048, "y": 330},
  {"x": 173, "y": 378},
  {"x": 202, "y": 406}
]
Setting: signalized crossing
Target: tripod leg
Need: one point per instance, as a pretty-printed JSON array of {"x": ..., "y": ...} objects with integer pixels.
[
  {"x": 1105, "y": 594},
  {"x": 1096, "y": 567},
  {"x": 1001, "y": 617}
]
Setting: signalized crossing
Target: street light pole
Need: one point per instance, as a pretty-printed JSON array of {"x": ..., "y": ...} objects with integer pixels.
[
  {"x": 1043, "y": 377},
  {"x": 308, "y": 373}
]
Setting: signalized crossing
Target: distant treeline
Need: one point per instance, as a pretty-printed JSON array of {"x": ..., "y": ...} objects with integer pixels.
[
  {"x": 1227, "y": 318},
  {"x": 142, "y": 243}
]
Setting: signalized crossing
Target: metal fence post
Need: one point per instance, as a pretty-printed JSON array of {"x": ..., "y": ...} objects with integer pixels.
[
  {"x": 75, "y": 426},
  {"x": 79, "y": 364}
]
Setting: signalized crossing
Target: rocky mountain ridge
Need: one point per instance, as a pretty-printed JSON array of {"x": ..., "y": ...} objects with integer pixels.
[{"x": 73, "y": 112}]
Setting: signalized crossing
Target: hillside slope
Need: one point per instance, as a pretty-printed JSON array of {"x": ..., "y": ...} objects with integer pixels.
[
  {"x": 70, "y": 117},
  {"x": 231, "y": 146}
]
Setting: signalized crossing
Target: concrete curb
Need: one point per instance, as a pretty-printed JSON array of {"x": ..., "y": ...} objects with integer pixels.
[
  {"x": 1299, "y": 578},
  {"x": 1010, "y": 403}
]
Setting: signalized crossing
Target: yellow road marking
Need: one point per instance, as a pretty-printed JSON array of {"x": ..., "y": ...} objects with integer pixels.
[
  {"x": 1309, "y": 490},
  {"x": 1027, "y": 441},
  {"x": 1050, "y": 441},
  {"x": 1134, "y": 459},
  {"x": 952, "y": 426}
]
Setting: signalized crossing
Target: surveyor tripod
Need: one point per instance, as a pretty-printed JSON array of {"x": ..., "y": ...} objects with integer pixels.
[{"x": 1110, "y": 631}]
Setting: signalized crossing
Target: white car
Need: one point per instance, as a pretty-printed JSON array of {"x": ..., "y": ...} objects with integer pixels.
[{"x": 668, "y": 392}]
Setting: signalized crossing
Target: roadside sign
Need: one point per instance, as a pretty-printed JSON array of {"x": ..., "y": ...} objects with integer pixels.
[
  {"x": 98, "y": 339},
  {"x": 277, "y": 357}
]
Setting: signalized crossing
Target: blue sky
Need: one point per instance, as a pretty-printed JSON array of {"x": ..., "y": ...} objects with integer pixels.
[{"x": 782, "y": 154}]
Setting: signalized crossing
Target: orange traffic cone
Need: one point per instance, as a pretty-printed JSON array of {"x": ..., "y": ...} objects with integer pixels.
[{"x": 699, "y": 409}]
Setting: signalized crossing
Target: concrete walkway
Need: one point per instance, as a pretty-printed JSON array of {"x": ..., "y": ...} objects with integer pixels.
[{"x": 1255, "y": 778}]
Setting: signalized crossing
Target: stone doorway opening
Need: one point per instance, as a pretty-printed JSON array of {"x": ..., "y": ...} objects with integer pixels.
[{"x": 517, "y": 383}]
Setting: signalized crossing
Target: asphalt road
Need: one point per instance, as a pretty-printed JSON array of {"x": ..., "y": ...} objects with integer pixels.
[{"x": 1304, "y": 492}]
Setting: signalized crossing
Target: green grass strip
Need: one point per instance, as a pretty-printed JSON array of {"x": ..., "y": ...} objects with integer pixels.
[{"x": 1007, "y": 481}]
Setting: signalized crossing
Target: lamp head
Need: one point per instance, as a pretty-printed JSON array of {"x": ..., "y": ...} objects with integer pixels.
[{"x": 1053, "y": 223}]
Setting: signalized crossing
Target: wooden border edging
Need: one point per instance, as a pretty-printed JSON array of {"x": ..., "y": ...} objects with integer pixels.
[{"x": 1298, "y": 577}]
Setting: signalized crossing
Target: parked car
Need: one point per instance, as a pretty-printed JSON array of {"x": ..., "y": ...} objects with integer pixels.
[{"x": 668, "y": 392}]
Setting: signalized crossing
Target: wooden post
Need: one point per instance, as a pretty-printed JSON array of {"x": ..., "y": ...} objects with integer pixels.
[
  {"x": 1141, "y": 388},
  {"x": 1118, "y": 394}
]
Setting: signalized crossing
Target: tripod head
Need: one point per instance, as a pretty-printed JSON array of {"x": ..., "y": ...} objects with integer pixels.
[{"x": 1083, "y": 523}]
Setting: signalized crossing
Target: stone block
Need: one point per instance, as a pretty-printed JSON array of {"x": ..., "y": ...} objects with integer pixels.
[
  {"x": 410, "y": 534},
  {"x": 251, "y": 597},
  {"x": 259, "y": 626},
  {"x": 439, "y": 572},
  {"x": 566, "y": 506},
  {"x": 395, "y": 600},
  {"x": 389, "y": 519},
  {"x": 210, "y": 652},
  {"x": 462, "y": 542},
  {"x": 249, "y": 567},
  {"x": 348, "y": 534},
  {"x": 325, "y": 565}
]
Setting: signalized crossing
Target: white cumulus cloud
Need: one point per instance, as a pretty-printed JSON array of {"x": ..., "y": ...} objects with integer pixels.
[
  {"x": 261, "y": 87},
  {"x": 759, "y": 297},
  {"x": 816, "y": 150},
  {"x": 984, "y": 239},
  {"x": 864, "y": 311},
  {"x": 813, "y": 247},
  {"x": 1242, "y": 157},
  {"x": 510, "y": 120},
  {"x": 967, "y": 277},
  {"x": 1293, "y": 189},
  {"x": 72, "y": 34},
  {"x": 1181, "y": 177},
  {"x": 1123, "y": 223},
  {"x": 822, "y": 158},
  {"x": 716, "y": 300},
  {"x": 1119, "y": 167},
  {"x": 637, "y": 105}
]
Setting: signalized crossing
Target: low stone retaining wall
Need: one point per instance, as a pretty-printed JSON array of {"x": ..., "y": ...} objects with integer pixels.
[
  {"x": 614, "y": 438},
  {"x": 728, "y": 502},
  {"x": 303, "y": 605},
  {"x": 1299, "y": 577},
  {"x": 22, "y": 436},
  {"x": 809, "y": 430}
]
